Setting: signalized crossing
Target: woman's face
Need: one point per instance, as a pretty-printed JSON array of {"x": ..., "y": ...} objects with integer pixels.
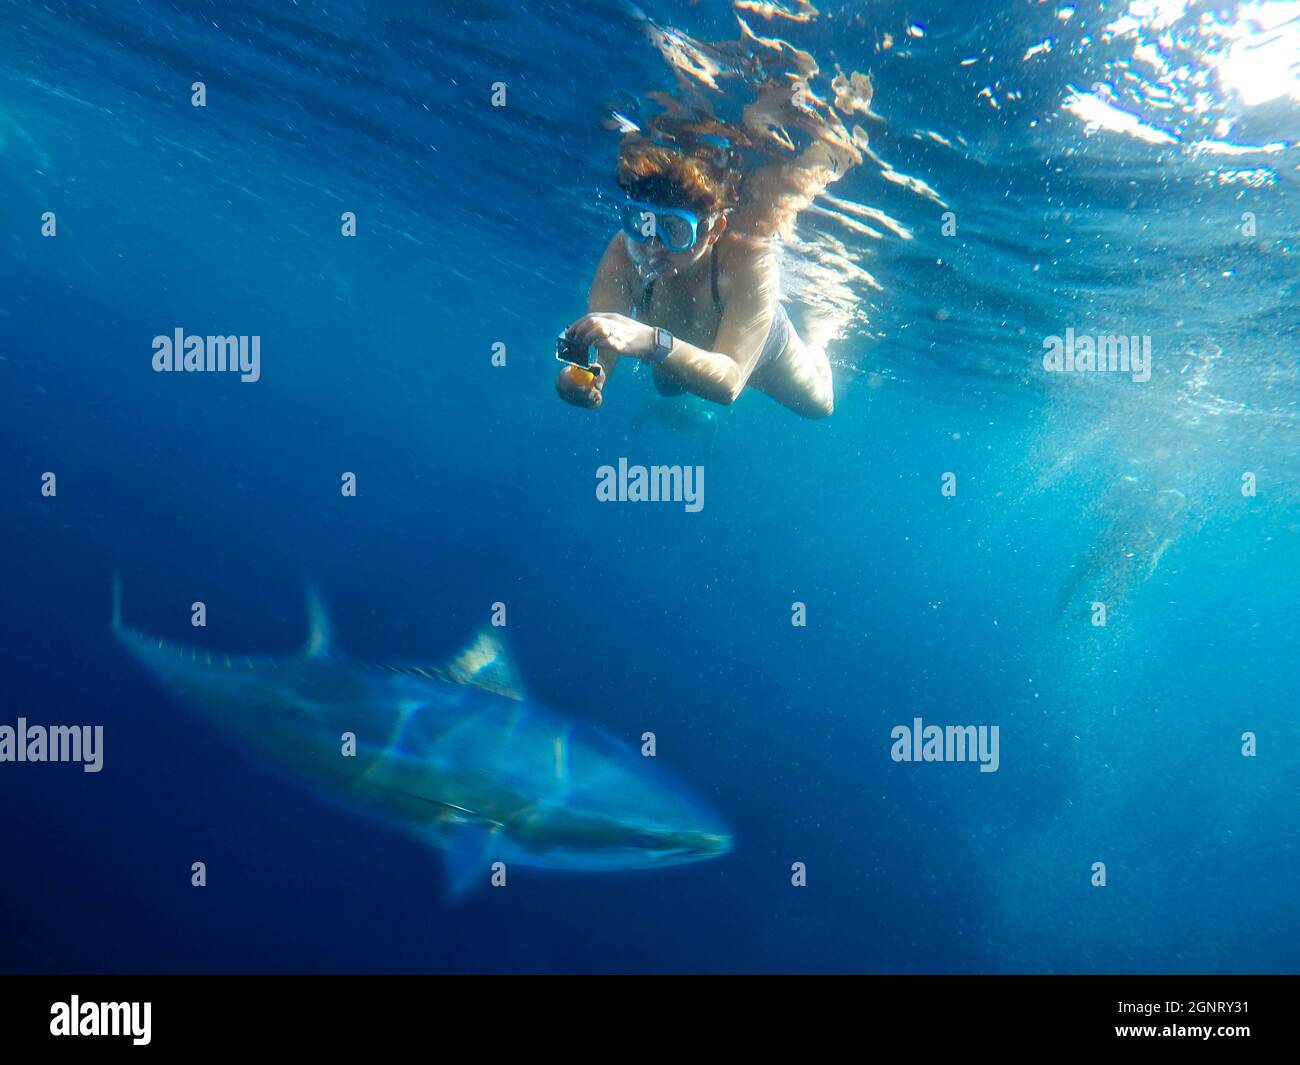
[{"x": 654, "y": 260}]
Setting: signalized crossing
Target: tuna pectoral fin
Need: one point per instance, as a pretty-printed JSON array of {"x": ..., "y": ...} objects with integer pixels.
[
  {"x": 415, "y": 805},
  {"x": 468, "y": 857}
]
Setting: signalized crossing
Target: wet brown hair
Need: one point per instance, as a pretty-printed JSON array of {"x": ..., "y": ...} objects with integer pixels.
[{"x": 670, "y": 177}]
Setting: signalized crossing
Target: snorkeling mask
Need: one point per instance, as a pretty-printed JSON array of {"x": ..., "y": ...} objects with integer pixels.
[{"x": 676, "y": 229}]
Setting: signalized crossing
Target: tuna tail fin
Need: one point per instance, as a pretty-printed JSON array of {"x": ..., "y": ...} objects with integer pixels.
[
  {"x": 318, "y": 625},
  {"x": 116, "y": 621}
]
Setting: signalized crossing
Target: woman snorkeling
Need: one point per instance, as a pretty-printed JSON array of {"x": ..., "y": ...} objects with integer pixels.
[{"x": 696, "y": 299}]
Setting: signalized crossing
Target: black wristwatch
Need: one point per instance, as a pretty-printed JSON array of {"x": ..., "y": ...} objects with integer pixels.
[{"x": 663, "y": 345}]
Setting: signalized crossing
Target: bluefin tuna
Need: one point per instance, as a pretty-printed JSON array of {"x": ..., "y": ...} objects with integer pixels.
[{"x": 453, "y": 754}]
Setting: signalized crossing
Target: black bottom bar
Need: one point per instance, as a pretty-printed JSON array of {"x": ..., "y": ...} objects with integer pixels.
[{"x": 543, "y": 1014}]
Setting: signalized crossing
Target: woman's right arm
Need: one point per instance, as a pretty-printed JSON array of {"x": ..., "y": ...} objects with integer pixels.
[
  {"x": 611, "y": 289},
  {"x": 611, "y": 292}
]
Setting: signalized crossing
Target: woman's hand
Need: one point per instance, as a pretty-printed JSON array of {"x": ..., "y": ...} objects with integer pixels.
[
  {"x": 581, "y": 387},
  {"x": 615, "y": 333}
]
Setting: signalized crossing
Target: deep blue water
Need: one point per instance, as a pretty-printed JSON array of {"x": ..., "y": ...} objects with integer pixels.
[{"x": 480, "y": 225}]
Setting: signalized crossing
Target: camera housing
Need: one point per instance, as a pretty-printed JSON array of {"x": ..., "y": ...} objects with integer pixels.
[{"x": 573, "y": 353}]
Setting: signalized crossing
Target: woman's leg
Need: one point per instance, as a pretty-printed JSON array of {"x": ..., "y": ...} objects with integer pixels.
[{"x": 798, "y": 378}]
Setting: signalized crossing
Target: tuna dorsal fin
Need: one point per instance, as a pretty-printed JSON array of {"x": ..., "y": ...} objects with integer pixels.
[
  {"x": 485, "y": 663},
  {"x": 318, "y": 625}
]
